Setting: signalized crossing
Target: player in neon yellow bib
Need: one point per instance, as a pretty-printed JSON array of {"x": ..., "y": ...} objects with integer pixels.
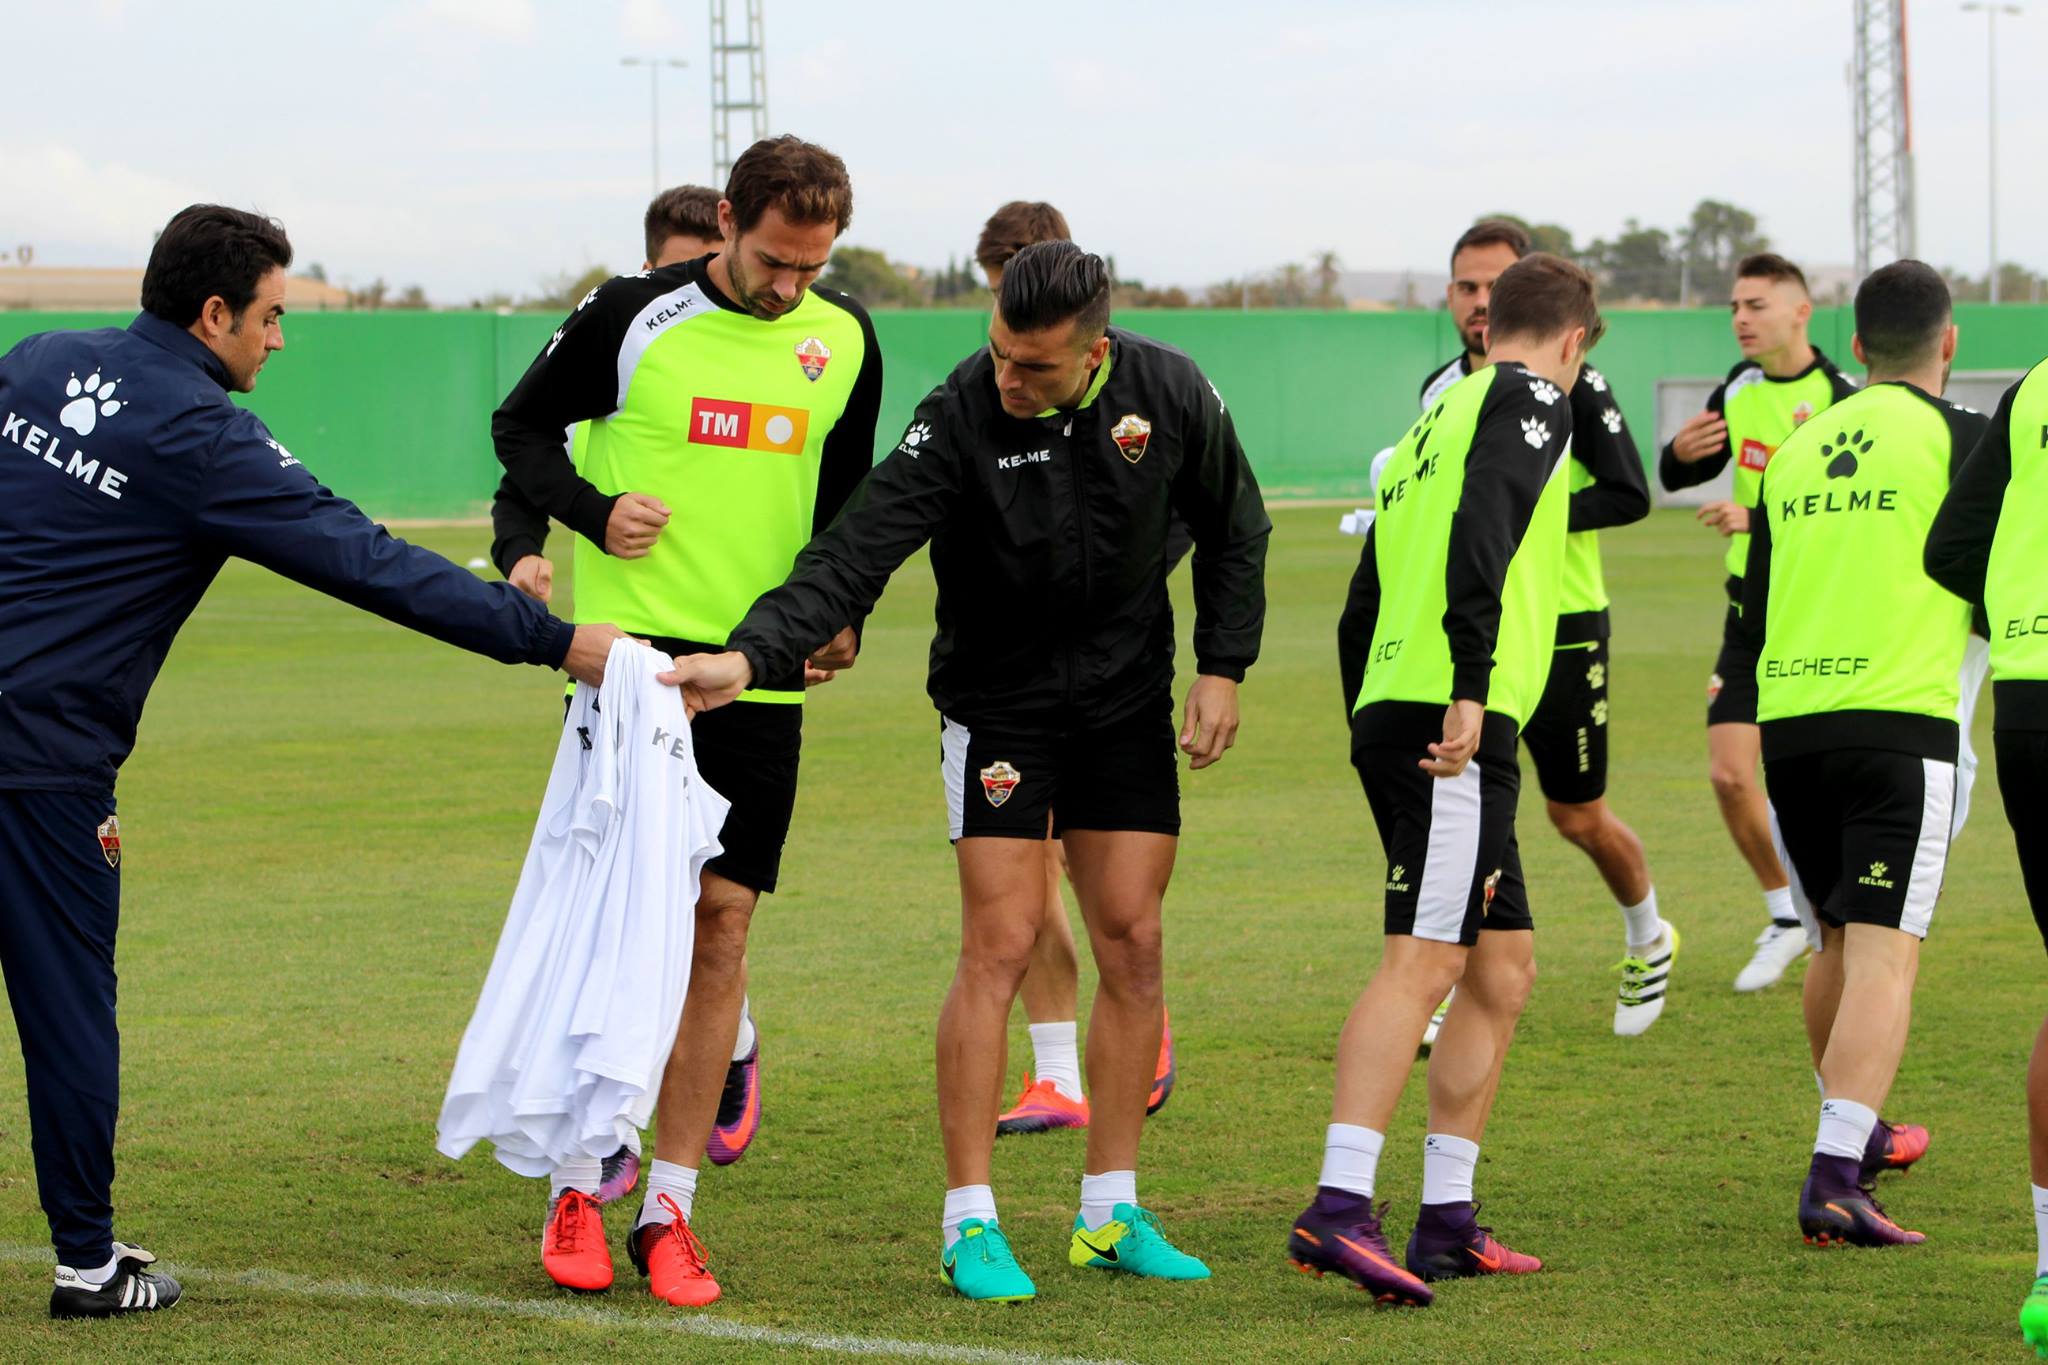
[
  {"x": 1989, "y": 545},
  {"x": 731, "y": 408},
  {"x": 1780, "y": 383},
  {"x": 1859, "y": 653},
  {"x": 1453, "y": 615}
]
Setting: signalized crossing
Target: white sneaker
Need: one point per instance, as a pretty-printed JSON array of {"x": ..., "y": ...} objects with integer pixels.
[
  {"x": 1645, "y": 976},
  {"x": 1777, "y": 947},
  {"x": 1436, "y": 1021}
]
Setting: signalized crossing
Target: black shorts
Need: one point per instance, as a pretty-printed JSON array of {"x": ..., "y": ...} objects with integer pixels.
[
  {"x": 1016, "y": 781},
  {"x": 1567, "y": 733},
  {"x": 1453, "y": 867},
  {"x": 1731, "y": 692},
  {"x": 748, "y": 752},
  {"x": 1868, "y": 832},
  {"x": 2023, "y": 782}
]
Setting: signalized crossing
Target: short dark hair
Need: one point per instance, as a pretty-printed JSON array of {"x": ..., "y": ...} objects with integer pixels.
[
  {"x": 1902, "y": 310},
  {"x": 1016, "y": 225},
  {"x": 1492, "y": 232},
  {"x": 1047, "y": 283},
  {"x": 685, "y": 210},
  {"x": 1769, "y": 265},
  {"x": 209, "y": 249},
  {"x": 806, "y": 182},
  {"x": 1542, "y": 295}
]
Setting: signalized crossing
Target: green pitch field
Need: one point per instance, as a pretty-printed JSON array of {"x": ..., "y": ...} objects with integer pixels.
[{"x": 325, "y": 819}]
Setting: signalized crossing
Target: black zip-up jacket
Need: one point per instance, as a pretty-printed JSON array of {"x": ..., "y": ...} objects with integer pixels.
[
  {"x": 1049, "y": 542},
  {"x": 127, "y": 478}
]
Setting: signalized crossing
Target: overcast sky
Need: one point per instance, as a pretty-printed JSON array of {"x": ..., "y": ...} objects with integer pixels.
[{"x": 481, "y": 145}]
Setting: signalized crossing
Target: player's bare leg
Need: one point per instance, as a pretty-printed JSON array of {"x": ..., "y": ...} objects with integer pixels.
[
  {"x": 1001, "y": 908},
  {"x": 1464, "y": 1070},
  {"x": 1120, "y": 879},
  {"x": 1733, "y": 753},
  {"x": 1865, "y": 1040},
  {"x": 1053, "y": 1096},
  {"x": 1052, "y": 984},
  {"x": 695, "y": 1075},
  {"x": 1385, "y": 1024},
  {"x": 1820, "y": 997},
  {"x": 1595, "y": 830},
  {"x": 1734, "y": 750},
  {"x": 662, "y": 1245}
]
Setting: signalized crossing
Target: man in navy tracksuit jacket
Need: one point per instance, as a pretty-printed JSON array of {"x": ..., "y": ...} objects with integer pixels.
[{"x": 127, "y": 478}]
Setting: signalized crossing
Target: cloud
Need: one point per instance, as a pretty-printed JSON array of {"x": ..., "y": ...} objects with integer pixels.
[
  {"x": 511, "y": 21},
  {"x": 648, "y": 24},
  {"x": 87, "y": 210}
]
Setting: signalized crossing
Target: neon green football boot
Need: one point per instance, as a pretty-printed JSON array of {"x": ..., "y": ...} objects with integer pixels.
[
  {"x": 1132, "y": 1241},
  {"x": 979, "y": 1266},
  {"x": 2034, "y": 1317}
]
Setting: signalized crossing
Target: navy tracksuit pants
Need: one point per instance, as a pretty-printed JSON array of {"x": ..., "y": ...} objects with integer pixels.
[{"x": 60, "y": 900}]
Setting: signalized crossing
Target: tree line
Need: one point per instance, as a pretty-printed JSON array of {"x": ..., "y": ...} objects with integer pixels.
[{"x": 1688, "y": 265}]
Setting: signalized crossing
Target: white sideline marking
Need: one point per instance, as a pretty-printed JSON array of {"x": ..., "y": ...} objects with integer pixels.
[{"x": 300, "y": 1286}]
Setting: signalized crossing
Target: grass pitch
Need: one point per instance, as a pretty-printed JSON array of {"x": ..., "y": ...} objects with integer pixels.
[{"x": 325, "y": 818}]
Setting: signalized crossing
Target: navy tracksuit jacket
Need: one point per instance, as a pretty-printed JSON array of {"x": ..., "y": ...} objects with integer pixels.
[{"x": 127, "y": 478}]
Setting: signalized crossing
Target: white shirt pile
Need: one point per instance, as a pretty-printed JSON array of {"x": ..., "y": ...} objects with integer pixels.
[{"x": 564, "y": 1055}]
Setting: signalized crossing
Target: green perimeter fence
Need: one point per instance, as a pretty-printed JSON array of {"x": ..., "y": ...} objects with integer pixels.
[{"x": 393, "y": 409}]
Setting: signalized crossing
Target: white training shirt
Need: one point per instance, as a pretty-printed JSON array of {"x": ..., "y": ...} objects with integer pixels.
[{"x": 563, "y": 1057}]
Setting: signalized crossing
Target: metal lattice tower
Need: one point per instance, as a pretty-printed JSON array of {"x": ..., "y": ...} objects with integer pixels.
[
  {"x": 1883, "y": 118},
  {"x": 724, "y": 51}
]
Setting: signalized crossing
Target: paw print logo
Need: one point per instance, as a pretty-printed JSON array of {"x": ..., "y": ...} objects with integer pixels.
[
  {"x": 1879, "y": 869},
  {"x": 1611, "y": 419},
  {"x": 1424, "y": 426},
  {"x": 1595, "y": 380},
  {"x": 1396, "y": 872},
  {"x": 90, "y": 401},
  {"x": 1600, "y": 712},
  {"x": 1535, "y": 432},
  {"x": 1841, "y": 453},
  {"x": 1543, "y": 391},
  {"x": 919, "y": 433},
  {"x": 1596, "y": 676}
]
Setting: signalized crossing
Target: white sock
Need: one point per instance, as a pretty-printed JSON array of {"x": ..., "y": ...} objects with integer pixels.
[
  {"x": 1447, "y": 1164},
  {"x": 1644, "y": 928},
  {"x": 2040, "y": 1232},
  {"x": 968, "y": 1201},
  {"x": 1056, "y": 1058},
  {"x": 1100, "y": 1194},
  {"x": 1844, "y": 1128},
  {"x": 104, "y": 1273},
  {"x": 1351, "y": 1158},
  {"x": 744, "y": 1044},
  {"x": 583, "y": 1175},
  {"x": 677, "y": 1182},
  {"x": 1778, "y": 905}
]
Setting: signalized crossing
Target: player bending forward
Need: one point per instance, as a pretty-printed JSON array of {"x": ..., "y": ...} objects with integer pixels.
[{"x": 1045, "y": 472}]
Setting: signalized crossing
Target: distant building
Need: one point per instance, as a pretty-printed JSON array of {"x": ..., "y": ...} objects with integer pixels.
[{"x": 81, "y": 289}]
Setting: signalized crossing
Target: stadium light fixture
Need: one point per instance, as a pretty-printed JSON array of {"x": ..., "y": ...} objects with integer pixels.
[
  {"x": 1991, "y": 12},
  {"x": 654, "y": 65}
]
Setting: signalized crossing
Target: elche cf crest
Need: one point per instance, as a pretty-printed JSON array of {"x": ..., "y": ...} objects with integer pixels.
[
  {"x": 998, "y": 780},
  {"x": 813, "y": 355},
  {"x": 1131, "y": 433},
  {"x": 110, "y": 840}
]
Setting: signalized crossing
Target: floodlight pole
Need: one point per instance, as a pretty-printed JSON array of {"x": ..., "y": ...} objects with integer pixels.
[
  {"x": 653, "y": 65},
  {"x": 1991, "y": 13}
]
